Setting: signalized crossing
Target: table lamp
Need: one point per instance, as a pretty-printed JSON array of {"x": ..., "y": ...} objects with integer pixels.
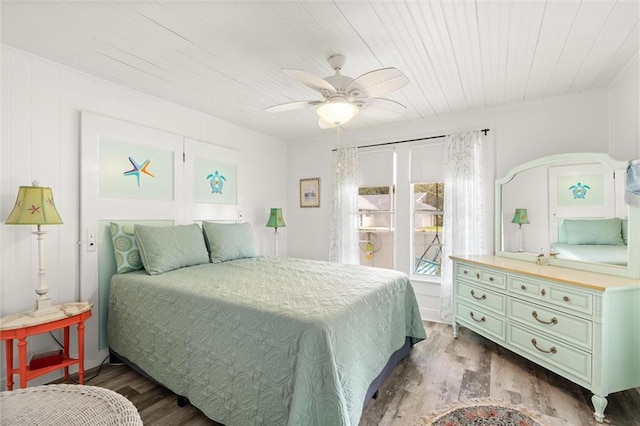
[
  {"x": 520, "y": 217},
  {"x": 275, "y": 221},
  {"x": 35, "y": 206}
]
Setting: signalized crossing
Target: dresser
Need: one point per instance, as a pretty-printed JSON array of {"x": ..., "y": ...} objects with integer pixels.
[{"x": 581, "y": 325}]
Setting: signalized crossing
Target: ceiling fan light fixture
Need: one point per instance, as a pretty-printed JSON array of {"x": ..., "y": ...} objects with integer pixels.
[
  {"x": 337, "y": 110},
  {"x": 346, "y": 97}
]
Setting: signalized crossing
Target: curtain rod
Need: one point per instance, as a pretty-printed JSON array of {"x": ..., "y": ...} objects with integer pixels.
[{"x": 485, "y": 131}]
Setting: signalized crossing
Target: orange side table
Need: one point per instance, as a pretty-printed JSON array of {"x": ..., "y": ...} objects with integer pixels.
[{"x": 20, "y": 326}]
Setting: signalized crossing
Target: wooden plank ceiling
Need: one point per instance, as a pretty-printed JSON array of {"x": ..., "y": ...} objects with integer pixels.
[{"x": 225, "y": 58}]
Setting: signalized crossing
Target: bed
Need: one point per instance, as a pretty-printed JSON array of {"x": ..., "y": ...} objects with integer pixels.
[
  {"x": 609, "y": 254},
  {"x": 593, "y": 240},
  {"x": 260, "y": 340}
]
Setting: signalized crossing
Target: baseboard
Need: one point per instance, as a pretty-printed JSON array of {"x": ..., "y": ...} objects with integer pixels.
[{"x": 431, "y": 315}]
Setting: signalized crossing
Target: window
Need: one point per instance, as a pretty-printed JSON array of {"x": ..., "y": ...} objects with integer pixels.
[
  {"x": 428, "y": 218},
  {"x": 377, "y": 208},
  {"x": 427, "y": 215},
  {"x": 401, "y": 209},
  {"x": 376, "y": 225}
]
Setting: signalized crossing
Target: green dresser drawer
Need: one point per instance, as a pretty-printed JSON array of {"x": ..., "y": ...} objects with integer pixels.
[
  {"x": 480, "y": 296},
  {"x": 551, "y": 353},
  {"x": 465, "y": 271},
  {"x": 481, "y": 321},
  {"x": 566, "y": 327},
  {"x": 485, "y": 276},
  {"x": 561, "y": 296},
  {"x": 571, "y": 299},
  {"x": 492, "y": 278},
  {"x": 524, "y": 287}
]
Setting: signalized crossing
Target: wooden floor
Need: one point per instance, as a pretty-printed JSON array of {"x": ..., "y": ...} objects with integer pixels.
[{"x": 439, "y": 371}]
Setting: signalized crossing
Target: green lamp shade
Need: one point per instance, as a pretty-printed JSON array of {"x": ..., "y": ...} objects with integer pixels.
[
  {"x": 275, "y": 219},
  {"x": 34, "y": 206},
  {"x": 520, "y": 217}
]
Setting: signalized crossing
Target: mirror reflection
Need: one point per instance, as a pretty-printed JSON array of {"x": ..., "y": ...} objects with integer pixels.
[{"x": 573, "y": 211}]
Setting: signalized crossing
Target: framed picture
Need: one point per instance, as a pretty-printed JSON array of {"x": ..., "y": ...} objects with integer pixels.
[
  {"x": 214, "y": 182},
  {"x": 584, "y": 190},
  {"x": 310, "y": 192},
  {"x": 138, "y": 171}
]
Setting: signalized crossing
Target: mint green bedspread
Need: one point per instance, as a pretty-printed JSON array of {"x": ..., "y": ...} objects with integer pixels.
[{"x": 265, "y": 341}]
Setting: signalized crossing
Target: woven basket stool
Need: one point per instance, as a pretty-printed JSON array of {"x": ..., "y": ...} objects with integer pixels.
[{"x": 73, "y": 405}]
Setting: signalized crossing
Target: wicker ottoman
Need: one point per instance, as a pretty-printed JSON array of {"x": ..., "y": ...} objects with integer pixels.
[{"x": 66, "y": 405}]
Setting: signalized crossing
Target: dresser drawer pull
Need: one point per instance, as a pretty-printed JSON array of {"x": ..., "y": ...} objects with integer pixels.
[
  {"x": 523, "y": 287},
  {"x": 565, "y": 298},
  {"x": 491, "y": 279},
  {"x": 552, "y": 350},
  {"x": 483, "y": 319},
  {"x": 543, "y": 292},
  {"x": 484, "y": 296},
  {"x": 554, "y": 320},
  {"x": 477, "y": 275}
]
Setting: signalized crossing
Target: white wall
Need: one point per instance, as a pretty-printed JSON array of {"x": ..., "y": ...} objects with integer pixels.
[
  {"x": 308, "y": 228},
  {"x": 41, "y": 104},
  {"x": 624, "y": 100},
  {"x": 597, "y": 121},
  {"x": 578, "y": 123}
]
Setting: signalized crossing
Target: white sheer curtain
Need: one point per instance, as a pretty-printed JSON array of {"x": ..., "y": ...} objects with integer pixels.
[
  {"x": 464, "y": 210},
  {"x": 344, "y": 208}
]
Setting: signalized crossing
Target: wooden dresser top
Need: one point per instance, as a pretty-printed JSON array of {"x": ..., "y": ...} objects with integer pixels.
[{"x": 592, "y": 280}]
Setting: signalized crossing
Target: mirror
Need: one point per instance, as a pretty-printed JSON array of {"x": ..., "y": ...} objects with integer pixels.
[{"x": 571, "y": 208}]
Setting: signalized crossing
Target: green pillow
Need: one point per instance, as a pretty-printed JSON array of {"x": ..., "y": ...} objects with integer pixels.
[
  {"x": 228, "y": 241},
  {"x": 125, "y": 248},
  {"x": 594, "y": 231},
  {"x": 625, "y": 231},
  {"x": 165, "y": 248}
]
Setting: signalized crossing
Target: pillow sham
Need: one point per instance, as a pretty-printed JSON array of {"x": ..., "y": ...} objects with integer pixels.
[
  {"x": 125, "y": 248},
  {"x": 229, "y": 241},
  {"x": 594, "y": 231},
  {"x": 625, "y": 231},
  {"x": 165, "y": 248}
]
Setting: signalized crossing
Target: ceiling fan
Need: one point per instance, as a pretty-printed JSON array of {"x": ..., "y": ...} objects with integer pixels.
[{"x": 344, "y": 97}]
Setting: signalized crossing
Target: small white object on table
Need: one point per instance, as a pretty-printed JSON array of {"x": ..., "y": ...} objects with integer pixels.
[{"x": 68, "y": 405}]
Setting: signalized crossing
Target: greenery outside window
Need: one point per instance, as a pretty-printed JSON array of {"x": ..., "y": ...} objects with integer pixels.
[{"x": 428, "y": 221}]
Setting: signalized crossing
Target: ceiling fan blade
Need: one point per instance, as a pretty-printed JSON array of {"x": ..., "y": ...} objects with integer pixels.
[
  {"x": 382, "y": 108},
  {"x": 324, "y": 124},
  {"x": 377, "y": 83},
  {"x": 310, "y": 80},
  {"x": 289, "y": 106}
]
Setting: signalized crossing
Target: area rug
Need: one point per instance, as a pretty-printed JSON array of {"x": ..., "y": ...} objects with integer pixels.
[{"x": 482, "y": 412}]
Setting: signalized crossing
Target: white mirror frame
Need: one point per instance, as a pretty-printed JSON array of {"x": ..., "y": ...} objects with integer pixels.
[{"x": 633, "y": 266}]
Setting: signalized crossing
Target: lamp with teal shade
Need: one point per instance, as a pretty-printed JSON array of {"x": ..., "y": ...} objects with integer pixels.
[
  {"x": 520, "y": 217},
  {"x": 275, "y": 221},
  {"x": 35, "y": 206}
]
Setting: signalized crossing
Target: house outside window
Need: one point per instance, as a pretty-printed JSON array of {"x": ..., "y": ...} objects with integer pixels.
[
  {"x": 401, "y": 209},
  {"x": 377, "y": 208},
  {"x": 376, "y": 226}
]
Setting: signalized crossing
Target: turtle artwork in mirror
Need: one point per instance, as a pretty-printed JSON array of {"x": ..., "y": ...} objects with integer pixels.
[{"x": 576, "y": 214}]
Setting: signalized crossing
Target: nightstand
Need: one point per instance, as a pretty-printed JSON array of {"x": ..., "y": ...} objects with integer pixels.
[{"x": 20, "y": 326}]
